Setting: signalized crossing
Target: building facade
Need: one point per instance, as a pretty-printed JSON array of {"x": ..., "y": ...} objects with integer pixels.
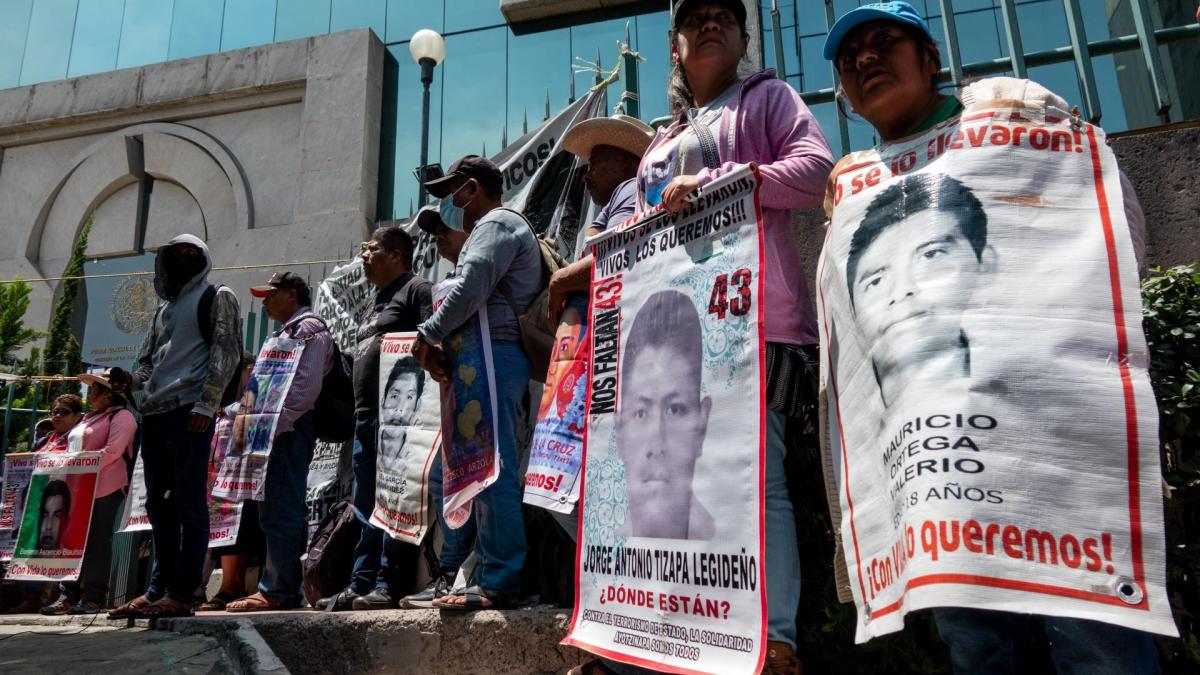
[{"x": 282, "y": 131}]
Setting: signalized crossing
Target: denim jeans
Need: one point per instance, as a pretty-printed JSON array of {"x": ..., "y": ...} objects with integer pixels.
[
  {"x": 994, "y": 642},
  {"x": 283, "y": 514},
  {"x": 496, "y": 524},
  {"x": 176, "y": 465},
  {"x": 379, "y": 560}
]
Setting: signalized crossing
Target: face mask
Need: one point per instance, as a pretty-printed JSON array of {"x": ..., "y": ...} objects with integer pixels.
[{"x": 452, "y": 215}]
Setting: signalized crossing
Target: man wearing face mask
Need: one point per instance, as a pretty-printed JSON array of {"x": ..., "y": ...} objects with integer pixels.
[
  {"x": 500, "y": 255},
  {"x": 186, "y": 364}
]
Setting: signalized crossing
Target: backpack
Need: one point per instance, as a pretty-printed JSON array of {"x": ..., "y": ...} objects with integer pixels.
[
  {"x": 333, "y": 413},
  {"x": 537, "y": 335},
  {"x": 204, "y": 319},
  {"x": 330, "y": 559}
]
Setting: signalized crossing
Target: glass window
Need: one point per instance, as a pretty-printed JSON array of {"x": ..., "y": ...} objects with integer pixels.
[
  {"x": 195, "y": 28},
  {"x": 538, "y": 64},
  {"x": 650, "y": 40},
  {"x": 981, "y": 35},
  {"x": 145, "y": 33},
  {"x": 468, "y": 14},
  {"x": 347, "y": 14},
  {"x": 473, "y": 95},
  {"x": 247, "y": 23},
  {"x": 14, "y": 21},
  {"x": 301, "y": 18},
  {"x": 97, "y": 37},
  {"x": 405, "y": 89},
  {"x": 48, "y": 45},
  {"x": 405, "y": 17},
  {"x": 589, "y": 39}
]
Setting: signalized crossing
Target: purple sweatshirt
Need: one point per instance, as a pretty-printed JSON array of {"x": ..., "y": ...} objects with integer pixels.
[
  {"x": 767, "y": 123},
  {"x": 315, "y": 362}
]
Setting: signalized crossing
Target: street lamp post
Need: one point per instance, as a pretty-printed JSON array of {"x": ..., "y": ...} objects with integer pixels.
[{"x": 427, "y": 49}]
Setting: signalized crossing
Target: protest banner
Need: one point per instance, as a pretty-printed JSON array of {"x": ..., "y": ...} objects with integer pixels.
[
  {"x": 470, "y": 456},
  {"x": 134, "y": 517},
  {"x": 18, "y": 468},
  {"x": 329, "y": 480},
  {"x": 243, "y": 472},
  {"x": 670, "y": 572},
  {"x": 992, "y": 427},
  {"x": 56, "y": 517},
  {"x": 224, "y": 516},
  {"x": 343, "y": 300},
  {"x": 541, "y": 180},
  {"x": 556, "y": 450},
  {"x": 120, "y": 309},
  {"x": 409, "y": 436}
]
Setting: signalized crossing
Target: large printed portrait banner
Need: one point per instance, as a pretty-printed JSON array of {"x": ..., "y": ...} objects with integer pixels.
[
  {"x": 135, "y": 518},
  {"x": 993, "y": 429},
  {"x": 329, "y": 481},
  {"x": 18, "y": 469},
  {"x": 470, "y": 455},
  {"x": 243, "y": 472},
  {"x": 556, "y": 450},
  {"x": 409, "y": 436},
  {"x": 343, "y": 299},
  {"x": 224, "y": 516},
  {"x": 56, "y": 517},
  {"x": 670, "y": 564}
]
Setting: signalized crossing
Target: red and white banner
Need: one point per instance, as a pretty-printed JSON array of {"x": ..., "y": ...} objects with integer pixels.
[
  {"x": 670, "y": 560},
  {"x": 993, "y": 429},
  {"x": 57, "y": 517},
  {"x": 409, "y": 438}
]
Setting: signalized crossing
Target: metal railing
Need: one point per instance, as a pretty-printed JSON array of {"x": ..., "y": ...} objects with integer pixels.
[{"x": 1080, "y": 51}]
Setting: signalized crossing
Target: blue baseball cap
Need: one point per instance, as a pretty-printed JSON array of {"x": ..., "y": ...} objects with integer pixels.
[{"x": 901, "y": 12}]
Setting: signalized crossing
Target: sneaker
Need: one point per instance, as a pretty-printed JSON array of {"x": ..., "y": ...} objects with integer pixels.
[
  {"x": 59, "y": 607},
  {"x": 376, "y": 599},
  {"x": 437, "y": 588},
  {"x": 341, "y": 602}
]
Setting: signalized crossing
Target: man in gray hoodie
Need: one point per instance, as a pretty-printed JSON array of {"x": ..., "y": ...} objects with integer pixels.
[{"x": 185, "y": 367}]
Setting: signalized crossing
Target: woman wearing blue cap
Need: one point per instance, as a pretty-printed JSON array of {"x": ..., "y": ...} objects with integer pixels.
[{"x": 889, "y": 67}]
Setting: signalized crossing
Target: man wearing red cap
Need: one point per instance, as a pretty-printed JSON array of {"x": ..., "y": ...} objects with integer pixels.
[{"x": 282, "y": 513}]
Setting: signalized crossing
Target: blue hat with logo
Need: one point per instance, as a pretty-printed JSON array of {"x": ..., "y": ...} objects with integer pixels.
[{"x": 901, "y": 12}]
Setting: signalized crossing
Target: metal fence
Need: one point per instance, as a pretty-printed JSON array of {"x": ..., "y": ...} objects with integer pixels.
[
  {"x": 257, "y": 327},
  {"x": 1079, "y": 50}
]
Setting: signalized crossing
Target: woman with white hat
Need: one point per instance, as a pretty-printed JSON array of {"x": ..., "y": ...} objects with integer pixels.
[{"x": 110, "y": 428}]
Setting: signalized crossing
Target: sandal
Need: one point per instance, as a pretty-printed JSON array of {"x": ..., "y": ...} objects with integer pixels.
[
  {"x": 166, "y": 608},
  {"x": 474, "y": 597},
  {"x": 253, "y": 603},
  {"x": 133, "y": 608},
  {"x": 217, "y": 603}
]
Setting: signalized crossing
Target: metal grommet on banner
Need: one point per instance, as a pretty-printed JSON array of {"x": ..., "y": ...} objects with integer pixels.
[{"x": 1128, "y": 590}]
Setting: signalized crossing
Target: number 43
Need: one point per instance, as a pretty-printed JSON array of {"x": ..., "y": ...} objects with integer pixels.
[{"x": 718, "y": 302}]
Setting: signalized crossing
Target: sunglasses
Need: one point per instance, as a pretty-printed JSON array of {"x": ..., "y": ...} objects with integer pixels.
[{"x": 62, "y": 412}]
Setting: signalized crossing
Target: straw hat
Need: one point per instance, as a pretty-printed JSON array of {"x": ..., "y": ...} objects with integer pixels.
[{"x": 622, "y": 131}]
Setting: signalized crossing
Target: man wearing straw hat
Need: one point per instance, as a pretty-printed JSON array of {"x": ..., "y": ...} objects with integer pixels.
[{"x": 612, "y": 146}]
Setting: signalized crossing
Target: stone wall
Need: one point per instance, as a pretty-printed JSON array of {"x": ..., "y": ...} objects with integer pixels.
[{"x": 270, "y": 154}]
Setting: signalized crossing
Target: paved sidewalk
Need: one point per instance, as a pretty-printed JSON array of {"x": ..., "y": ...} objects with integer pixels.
[{"x": 103, "y": 648}]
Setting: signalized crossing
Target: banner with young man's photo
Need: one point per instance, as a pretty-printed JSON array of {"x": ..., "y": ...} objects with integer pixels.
[
  {"x": 470, "y": 455},
  {"x": 992, "y": 429},
  {"x": 409, "y": 436},
  {"x": 670, "y": 569},
  {"x": 18, "y": 469},
  {"x": 224, "y": 515},
  {"x": 56, "y": 517},
  {"x": 556, "y": 450},
  {"x": 243, "y": 472}
]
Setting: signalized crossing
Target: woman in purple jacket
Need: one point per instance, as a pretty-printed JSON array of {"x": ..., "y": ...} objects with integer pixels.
[{"x": 723, "y": 122}]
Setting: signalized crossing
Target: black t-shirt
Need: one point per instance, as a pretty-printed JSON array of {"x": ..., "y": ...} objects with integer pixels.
[{"x": 400, "y": 307}]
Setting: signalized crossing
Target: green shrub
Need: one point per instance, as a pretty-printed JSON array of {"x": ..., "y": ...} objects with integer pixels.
[{"x": 1171, "y": 305}]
